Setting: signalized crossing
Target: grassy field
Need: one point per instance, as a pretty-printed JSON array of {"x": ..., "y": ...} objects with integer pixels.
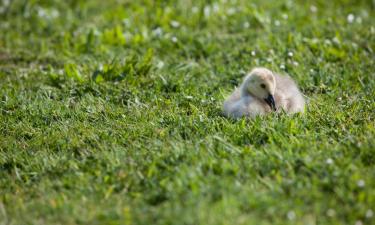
[{"x": 110, "y": 112}]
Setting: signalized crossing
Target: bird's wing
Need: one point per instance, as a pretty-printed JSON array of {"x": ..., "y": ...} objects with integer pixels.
[{"x": 290, "y": 96}]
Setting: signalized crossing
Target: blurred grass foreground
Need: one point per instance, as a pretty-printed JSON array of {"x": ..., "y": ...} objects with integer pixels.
[{"x": 110, "y": 112}]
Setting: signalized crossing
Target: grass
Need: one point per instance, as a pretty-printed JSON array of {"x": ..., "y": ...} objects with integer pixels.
[{"x": 110, "y": 113}]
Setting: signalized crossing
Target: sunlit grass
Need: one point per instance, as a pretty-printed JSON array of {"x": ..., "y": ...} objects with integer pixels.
[{"x": 110, "y": 112}]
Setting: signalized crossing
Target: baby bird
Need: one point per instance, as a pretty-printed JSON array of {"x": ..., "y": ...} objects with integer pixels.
[{"x": 262, "y": 92}]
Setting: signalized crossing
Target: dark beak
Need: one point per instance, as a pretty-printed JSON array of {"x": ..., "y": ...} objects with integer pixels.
[{"x": 271, "y": 102}]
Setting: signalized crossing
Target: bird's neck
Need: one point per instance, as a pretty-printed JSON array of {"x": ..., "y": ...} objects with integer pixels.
[{"x": 246, "y": 93}]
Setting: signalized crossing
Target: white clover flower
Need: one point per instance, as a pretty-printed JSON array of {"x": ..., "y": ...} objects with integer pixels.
[
  {"x": 126, "y": 22},
  {"x": 100, "y": 67},
  {"x": 175, "y": 24},
  {"x": 246, "y": 25},
  {"x": 160, "y": 64},
  {"x": 335, "y": 40},
  {"x": 290, "y": 54},
  {"x": 284, "y": 16},
  {"x": 277, "y": 23},
  {"x": 282, "y": 66},
  {"x": 329, "y": 161},
  {"x": 295, "y": 63},
  {"x": 215, "y": 7},
  {"x": 358, "y": 222},
  {"x": 207, "y": 11},
  {"x": 42, "y": 12},
  {"x": 327, "y": 42},
  {"x": 48, "y": 14},
  {"x": 331, "y": 212},
  {"x": 308, "y": 159},
  {"x": 174, "y": 39},
  {"x": 6, "y": 2},
  {"x": 369, "y": 213},
  {"x": 361, "y": 183},
  {"x": 350, "y": 18},
  {"x": 291, "y": 215},
  {"x": 313, "y": 9},
  {"x": 158, "y": 31},
  {"x": 253, "y": 53},
  {"x": 231, "y": 11},
  {"x": 55, "y": 13},
  {"x": 195, "y": 9},
  {"x": 358, "y": 20}
]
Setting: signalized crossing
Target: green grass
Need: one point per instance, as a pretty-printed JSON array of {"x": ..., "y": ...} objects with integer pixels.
[{"x": 110, "y": 113}]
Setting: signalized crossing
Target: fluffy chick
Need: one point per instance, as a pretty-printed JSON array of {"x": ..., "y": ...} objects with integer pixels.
[{"x": 262, "y": 92}]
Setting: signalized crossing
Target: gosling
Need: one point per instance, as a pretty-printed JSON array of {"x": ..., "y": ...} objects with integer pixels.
[{"x": 262, "y": 92}]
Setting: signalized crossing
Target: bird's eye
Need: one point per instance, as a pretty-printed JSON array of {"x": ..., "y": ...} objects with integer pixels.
[{"x": 263, "y": 86}]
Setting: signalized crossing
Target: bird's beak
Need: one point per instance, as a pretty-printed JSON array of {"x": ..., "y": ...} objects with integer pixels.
[{"x": 271, "y": 102}]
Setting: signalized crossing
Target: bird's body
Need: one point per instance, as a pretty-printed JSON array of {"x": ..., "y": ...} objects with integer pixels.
[{"x": 263, "y": 92}]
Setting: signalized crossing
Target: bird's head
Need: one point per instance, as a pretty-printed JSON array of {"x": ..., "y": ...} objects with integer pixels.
[{"x": 260, "y": 82}]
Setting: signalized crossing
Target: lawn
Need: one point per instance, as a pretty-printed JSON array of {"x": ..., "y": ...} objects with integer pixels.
[{"x": 110, "y": 112}]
